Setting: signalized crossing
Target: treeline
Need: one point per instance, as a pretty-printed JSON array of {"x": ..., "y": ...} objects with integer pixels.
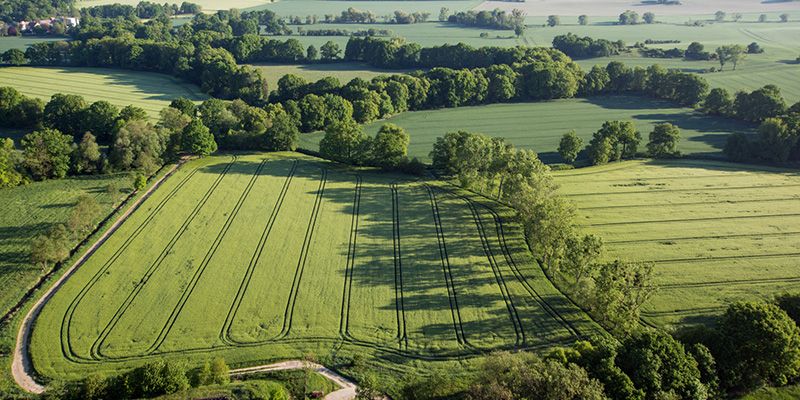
[
  {"x": 495, "y": 19},
  {"x": 144, "y": 10},
  {"x": 345, "y": 32},
  {"x": 586, "y": 47},
  {"x": 21, "y": 10}
]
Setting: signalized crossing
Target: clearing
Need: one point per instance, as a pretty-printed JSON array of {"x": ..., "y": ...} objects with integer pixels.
[
  {"x": 267, "y": 257},
  {"x": 345, "y": 72},
  {"x": 540, "y": 125},
  {"x": 717, "y": 232},
  {"x": 147, "y": 90}
]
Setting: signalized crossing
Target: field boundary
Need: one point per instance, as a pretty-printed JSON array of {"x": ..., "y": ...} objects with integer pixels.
[
  {"x": 402, "y": 332},
  {"x": 21, "y": 367}
]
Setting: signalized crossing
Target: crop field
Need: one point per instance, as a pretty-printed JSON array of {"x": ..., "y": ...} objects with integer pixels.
[
  {"x": 378, "y": 7},
  {"x": 539, "y": 126},
  {"x": 345, "y": 72},
  {"x": 22, "y": 42},
  {"x": 717, "y": 232},
  {"x": 31, "y": 210},
  {"x": 615, "y": 7},
  {"x": 257, "y": 257},
  {"x": 150, "y": 91},
  {"x": 208, "y": 5}
]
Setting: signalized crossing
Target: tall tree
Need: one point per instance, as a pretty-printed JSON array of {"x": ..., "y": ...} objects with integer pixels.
[
  {"x": 664, "y": 141},
  {"x": 86, "y": 155},
  {"x": 390, "y": 146},
  {"x": 570, "y": 146},
  {"x": 9, "y": 164},
  {"x": 197, "y": 139},
  {"x": 47, "y": 153}
]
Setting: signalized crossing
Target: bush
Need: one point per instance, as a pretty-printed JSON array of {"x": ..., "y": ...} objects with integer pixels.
[{"x": 139, "y": 182}]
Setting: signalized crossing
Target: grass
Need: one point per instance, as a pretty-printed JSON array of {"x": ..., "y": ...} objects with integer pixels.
[
  {"x": 539, "y": 126},
  {"x": 150, "y": 91},
  {"x": 345, "y": 72},
  {"x": 378, "y": 7},
  {"x": 22, "y": 42},
  {"x": 782, "y": 393},
  {"x": 31, "y": 210},
  {"x": 257, "y": 258},
  {"x": 717, "y": 232},
  {"x": 208, "y": 5}
]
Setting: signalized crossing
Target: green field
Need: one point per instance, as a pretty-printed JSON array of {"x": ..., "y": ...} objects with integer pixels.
[
  {"x": 208, "y": 5},
  {"x": 717, "y": 232},
  {"x": 345, "y": 72},
  {"x": 264, "y": 257},
  {"x": 150, "y": 91},
  {"x": 22, "y": 42},
  {"x": 31, "y": 210},
  {"x": 539, "y": 126}
]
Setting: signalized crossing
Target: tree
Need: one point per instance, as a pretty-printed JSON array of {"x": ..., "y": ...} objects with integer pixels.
[
  {"x": 64, "y": 112},
  {"x": 623, "y": 142},
  {"x": 283, "y": 134},
  {"x": 330, "y": 51},
  {"x": 649, "y": 17},
  {"x": 784, "y": 17},
  {"x": 759, "y": 104},
  {"x": 312, "y": 53},
  {"x": 664, "y": 141},
  {"x": 620, "y": 290},
  {"x": 444, "y": 14},
  {"x": 86, "y": 155},
  {"x": 82, "y": 218},
  {"x": 185, "y": 106},
  {"x": 629, "y": 18},
  {"x": 525, "y": 376},
  {"x": 519, "y": 30},
  {"x": 733, "y": 53},
  {"x": 737, "y": 17},
  {"x": 759, "y": 344},
  {"x": 580, "y": 259},
  {"x": 696, "y": 51},
  {"x": 583, "y": 19},
  {"x": 137, "y": 145},
  {"x": 9, "y": 164},
  {"x": 345, "y": 142},
  {"x": 776, "y": 141},
  {"x": 570, "y": 146},
  {"x": 754, "y": 48},
  {"x": 660, "y": 366},
  {"x": 762, "y": 18},
  {"x": 553, "y": 20},
  {"x": 47, "y": 153},
  {"x": 719, "y": 16},
  {"x": 737, "y": 147},
  {"x": 197, "y": 139},
  {"x": 100, "y": 118},
  {"x": 220, "y": 372},
  {"x": 390, "y": 146},
  {"x": 595, "y": 81},
  {"x": 599, "y": 150},
  {"x": 718, "y": 102},
  {"x": 132, "y": 113},
  {"x": 14, "y": 57},
  {"x": 50, "y": 248}
]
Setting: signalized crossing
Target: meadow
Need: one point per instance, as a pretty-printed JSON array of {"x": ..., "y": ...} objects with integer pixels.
[
  {"x": 208, "y": 5},
  {"x": 344, "y": 72},
  {"x": 150, "y": 91},
  {"x": 717, "y": 232},
  {"x": 264, "y": 257},
  {"x": 31, "y": 210},
  {"x": 539, "y": 126}
]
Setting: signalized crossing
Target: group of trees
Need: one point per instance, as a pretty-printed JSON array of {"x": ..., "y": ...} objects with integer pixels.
[
  {"x": 495, "y": 19},
  {"x": 778, "y": 138},
  {"x": 618, "y": 140},
  {"x": 150, "y": 380},
  {"x": 54, "y": 246},
  {"x": 21, "y": 10},
  {"x": 586, "y": 47},
  {"x": 144, "y": 10},
  {"x": 346, "y": 142}
]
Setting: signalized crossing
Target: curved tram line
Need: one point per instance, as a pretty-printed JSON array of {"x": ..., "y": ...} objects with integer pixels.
[{"x": 467, "y": 351}]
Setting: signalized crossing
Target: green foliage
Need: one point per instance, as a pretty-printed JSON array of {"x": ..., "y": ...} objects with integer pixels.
[
  {"x": 718, "y": 102},
  {"x": 86, "y": 155},
  {"x": 629, "y": 18},
  {"x": 9, "y": 164},
  {"x": 185, "y": 106},
  {"x": 664, "y": 141},
  {"x": 553, "y": 20},
  {"x": 137, "y": 145},
  {"x": 790, "y": 303},
  {"x": 345, "y": 142},
  {"x": 570, "y": 146},
  {"x": 525, "y": 376},
  {"x": 758, "y": 344},
  {"x": 737, "y": 148},
  {"x": 100, "y": 119},
  {"x": 14, "y": 57},
  {"x": 140, "y": 182},
  {"x": 616, "y": 140},
  {"x": 46, "y": 153},
  {"x": 64, "y": 112},
  {"x": 330, "y": 51},
  {"x": 197, "y": 139},
  {"x": 776, "y": 141},
  {"x": 390, "y": 146},
  {"x": 283, "y": 133},
  {"x": 730, "y": 53},
  {"x": 620, "y": 290},
  {"x": 50, "y": 248},
  {"x": 760, "y": 104}
]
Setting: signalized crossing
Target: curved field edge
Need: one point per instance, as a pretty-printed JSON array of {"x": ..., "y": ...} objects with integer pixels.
[
  {"x": 51, "y": 363},
  {"x": 716, "y": 232}
]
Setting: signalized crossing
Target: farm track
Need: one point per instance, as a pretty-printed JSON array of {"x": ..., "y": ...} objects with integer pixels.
[
  {"x": 66, "y": 346},
  {"x": 402, "y": 332},
  {"x": 96, "y": 347},
  {"x": 669, "y": 221},
  {"x": 679, "y": 260},
  {"x": 455, "y": 310},
  {"x": 513, "y": 314},
  {"x": 697, "y": 203},
  {"x": 301, "y": 263},
  {"x": 255, "y": 258},
  {"x": 690, "y": 238},
  {"x": 344, "y": 318},
  {"x": 206, "y": 260},
  {"x": 731, "y": 282},
  {"x": 704, "y": 189},
  {"x": 503, "y": 244}
]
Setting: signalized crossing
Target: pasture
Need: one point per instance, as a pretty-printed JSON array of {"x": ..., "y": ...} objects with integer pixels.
[
  {"x": 150, "y": 91},
  {"x": 271, "y": 256},
  {"x": 615, "y": 7},
  {"x": 717, "y": 232},
  {"x": 539, "y": 126},
  {"x": 31, "y": 210},
  {"x": 345, "y": 72},
  {"x": 208, "y": 5}
]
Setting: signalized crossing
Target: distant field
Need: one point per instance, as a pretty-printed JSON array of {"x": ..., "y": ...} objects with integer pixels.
[
  {"x": 345, "y": 72},
  {"x": 149, "y": 91},
  {"x": 22, "y": 43},
  {"x": 615, "y": 7},
  {"x": 31, "y": 210},
  {"x": 717, "y": 232},
  {"x": 539, "y": 126},
  {"x": 264, "y": 257},
  {"x": 378, "y": 7}
]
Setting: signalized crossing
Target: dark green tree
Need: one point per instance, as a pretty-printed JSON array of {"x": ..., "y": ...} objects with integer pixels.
[
  {"x": 197, "y": 139},
  {"x": 569, "y": 147},
  {"x": 664, "y": 141},
  {"x": 100, "y": 118},
  {"x": 390, "y": 146},
  {"x": 86, "y": 155},
  {"x": 65, "y": 113},
  {"x": 46, "y": 153},
  {"x": 184, "y": 105},
  {"x": 345, "y": 142}
]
